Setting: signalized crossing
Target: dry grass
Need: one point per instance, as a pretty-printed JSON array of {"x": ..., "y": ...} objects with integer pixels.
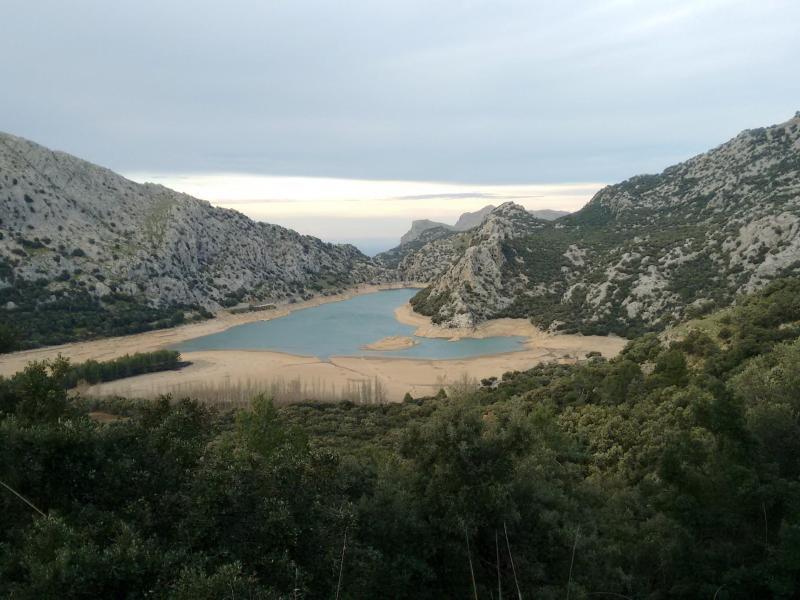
[{"x": 282, "y": 391}]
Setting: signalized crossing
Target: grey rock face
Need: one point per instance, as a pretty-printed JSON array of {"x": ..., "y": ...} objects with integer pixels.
[{"x": 68, "y": 222}]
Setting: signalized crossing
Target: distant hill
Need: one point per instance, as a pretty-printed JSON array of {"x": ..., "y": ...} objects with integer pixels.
[
  {"x": 419, "y": 227},
  {"x": 467, "y": 221},
  {"x": 641, "y": 254},
  {"x": 84, "y": 252}
]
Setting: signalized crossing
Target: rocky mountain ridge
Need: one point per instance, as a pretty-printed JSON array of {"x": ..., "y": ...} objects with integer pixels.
[
  {"x": 77, "y": 236},
  {"x": 641, "y": 254}
]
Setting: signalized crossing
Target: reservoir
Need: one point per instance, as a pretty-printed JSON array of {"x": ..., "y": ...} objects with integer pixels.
[{"x": 343, "y": 329}]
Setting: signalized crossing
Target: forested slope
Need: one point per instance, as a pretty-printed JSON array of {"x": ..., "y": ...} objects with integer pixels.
[{"x": 669, "y": 471}]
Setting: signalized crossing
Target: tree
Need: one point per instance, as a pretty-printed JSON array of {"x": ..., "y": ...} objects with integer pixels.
[
  {"x": 38, "y": 393},
  {"x": 8, "y": 338}
]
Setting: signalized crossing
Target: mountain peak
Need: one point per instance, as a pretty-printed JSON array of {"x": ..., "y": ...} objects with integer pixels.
[{"x": 510, "y": 209}]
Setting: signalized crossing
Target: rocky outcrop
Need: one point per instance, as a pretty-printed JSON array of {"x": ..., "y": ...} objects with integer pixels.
[
  {"x": 641, "y": 254},
  {"x": 474, "y": 283},
  {"x": 431, "y": 258}
]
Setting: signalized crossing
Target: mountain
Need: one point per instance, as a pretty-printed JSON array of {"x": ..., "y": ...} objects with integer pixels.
[
  {"x": 641, "y": 254},
  {"x": 467, "y": 221},
  {"x": 441, "y": 244},
  {"x": 84, "y": 251},
  {"x": 419, "y": 227}
]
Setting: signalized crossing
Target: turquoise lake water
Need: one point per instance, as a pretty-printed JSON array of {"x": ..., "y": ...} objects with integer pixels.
[{"x": 342, "y": 328}]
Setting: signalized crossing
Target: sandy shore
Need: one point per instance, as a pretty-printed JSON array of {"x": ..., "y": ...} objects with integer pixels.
[
  {"x": 226, "y": 374},
  {"x": 393, "y": 342},
  {"x": 214, "y": 374},
  {"x": 496, "y": 327}
]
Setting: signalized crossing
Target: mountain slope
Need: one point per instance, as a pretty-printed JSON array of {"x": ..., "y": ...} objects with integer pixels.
[
  {"x": 78, "y": 241},
  {"x": 641, "y": 254}
]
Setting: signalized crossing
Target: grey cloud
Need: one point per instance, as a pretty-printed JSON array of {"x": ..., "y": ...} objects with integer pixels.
[{"x": 503, "y": 91}]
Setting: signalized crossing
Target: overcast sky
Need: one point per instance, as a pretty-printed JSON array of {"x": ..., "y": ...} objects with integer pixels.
[{"x": 456, "y": 91}]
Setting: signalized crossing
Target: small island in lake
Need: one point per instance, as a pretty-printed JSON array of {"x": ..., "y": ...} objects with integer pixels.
[{"x": 393, "y": 342}]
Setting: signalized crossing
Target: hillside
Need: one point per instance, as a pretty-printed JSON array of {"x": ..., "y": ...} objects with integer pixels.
[
  {"x": 641, "y": 254},
  {"x": 394, "y": 258},
  {"x": 84, "y": 251}
]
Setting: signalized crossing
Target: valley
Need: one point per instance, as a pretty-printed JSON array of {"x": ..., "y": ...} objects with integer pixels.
[{"x": 86, "y": 254}]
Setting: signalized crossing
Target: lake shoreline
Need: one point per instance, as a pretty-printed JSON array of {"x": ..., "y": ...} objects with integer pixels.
[
  {"x": 215, "y": 373},
  {"x": 160, "y": 339}
]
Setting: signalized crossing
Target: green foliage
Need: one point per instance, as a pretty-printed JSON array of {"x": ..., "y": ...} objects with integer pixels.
[
  {"x": 48, "y": 314},
  {"x": 227, "y": 581},
  {"x": 643, "y": 349},
  {"x": 671, "y": 369},
  {"x": 38, "y": 393},
  {"x": 622, "y": 380},
  {"x": 426, "y": 303},
  {"x": 128, "y": 365},
  {"x": 757, "y": 323},
  {"x": 261, "y": 430},
  {"x": 669, "y": 471},
  {"x": 9, "y": 338}
]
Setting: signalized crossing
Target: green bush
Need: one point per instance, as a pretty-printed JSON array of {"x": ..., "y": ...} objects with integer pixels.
[{"x": 128, "y": 365}]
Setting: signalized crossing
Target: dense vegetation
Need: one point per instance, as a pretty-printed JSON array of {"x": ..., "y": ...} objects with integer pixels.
[
  {"x": 543, "y": 260},
  {"x": 49, "y": 317},
  {"x": 670, "y": 471},
  {"x": 93, "y": 371}
]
